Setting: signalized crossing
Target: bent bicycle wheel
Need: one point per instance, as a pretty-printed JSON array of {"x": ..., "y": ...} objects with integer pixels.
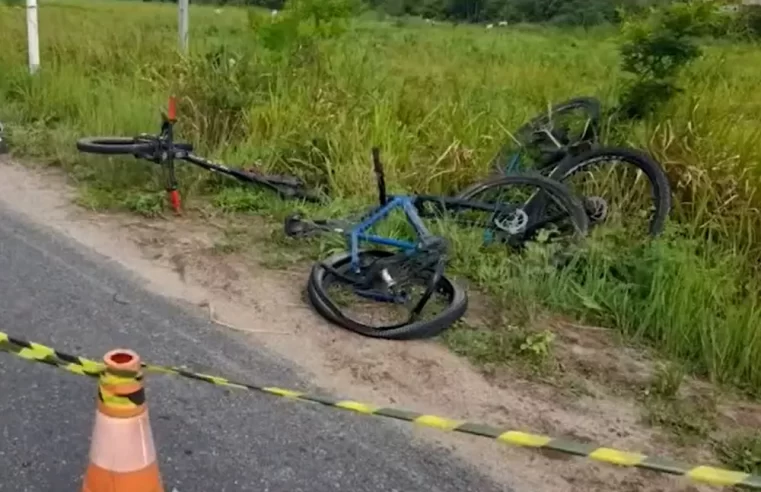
[
  {"x": 435, "y": 301},
  {"x": 522, "y": 206},
  {"x": 620, "y": 186},
  {"x": 122, "y": 145}
]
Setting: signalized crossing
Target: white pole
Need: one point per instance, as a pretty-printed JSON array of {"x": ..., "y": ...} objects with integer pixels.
[
  {"x": 182, "y": 11},
  {"x": 32, "y": 35}
]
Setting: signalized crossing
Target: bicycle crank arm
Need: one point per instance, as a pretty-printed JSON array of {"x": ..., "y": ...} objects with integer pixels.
[{"x": 379, "y": 296}]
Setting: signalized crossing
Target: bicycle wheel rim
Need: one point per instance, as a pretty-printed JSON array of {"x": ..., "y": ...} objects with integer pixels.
[
  {"x": 589, "y": 105},
  {"x": 326, "y": 307},
  {"x": 659, "y": 187}
]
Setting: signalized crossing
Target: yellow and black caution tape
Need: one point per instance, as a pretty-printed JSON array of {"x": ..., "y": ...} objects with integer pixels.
[{"x": 705, "y": 474}]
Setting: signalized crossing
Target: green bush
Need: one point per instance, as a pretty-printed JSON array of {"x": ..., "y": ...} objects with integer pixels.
[
  {"x": 301, "y": 22},
  {"x": 655, "y": 50},
  {"x": 749, "y": 20}
]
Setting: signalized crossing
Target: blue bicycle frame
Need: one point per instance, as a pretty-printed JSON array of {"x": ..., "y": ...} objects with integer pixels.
[
  {"x": 359, "y": 232},
  {"x": 388, "y": 203},
  {"x": 515, "y": 163}
]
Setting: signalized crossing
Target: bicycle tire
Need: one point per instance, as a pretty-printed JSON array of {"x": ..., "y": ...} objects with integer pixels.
[
  {"x": 122, "y": 146},
  {"x": 556, "y": 189},
  {"x": 659, "y": 183},
  {"x": 458, "y": 304},
  {"x": 590, "y": 104}
]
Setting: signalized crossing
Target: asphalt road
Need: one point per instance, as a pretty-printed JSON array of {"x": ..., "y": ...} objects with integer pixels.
[{"x": 209, "y": 439}]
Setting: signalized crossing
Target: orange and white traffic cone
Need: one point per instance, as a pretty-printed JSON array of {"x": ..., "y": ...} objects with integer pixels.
[{"x": 122, "y": 453}]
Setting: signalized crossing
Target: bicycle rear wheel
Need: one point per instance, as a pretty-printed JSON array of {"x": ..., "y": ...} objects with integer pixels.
[
  {"x": 613, "y": 178},
  {"x": 122, "y": 145},
  {"x": 334, "y": 273},
  {"x": 524, "y": 205}
]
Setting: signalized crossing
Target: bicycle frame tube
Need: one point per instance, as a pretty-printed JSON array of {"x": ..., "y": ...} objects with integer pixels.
[
  {"x": 166, "y": 159},
  {"x": 358, "y": 233},
  {"x": 204, "y": 163},
  {"x": 411, "y": 211},
  {"x": 454, "y": 204},
  {"x": 514, "y": 164},
  {"x": 216, "y": 167}
]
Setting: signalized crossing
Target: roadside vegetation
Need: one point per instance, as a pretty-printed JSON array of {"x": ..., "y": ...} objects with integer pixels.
[{"x": 310, "y": 90}]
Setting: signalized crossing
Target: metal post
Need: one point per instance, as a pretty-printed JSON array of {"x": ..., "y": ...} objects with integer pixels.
[
  {"x": 182, "y": 23},
  {"x": 32, "y": 35}
]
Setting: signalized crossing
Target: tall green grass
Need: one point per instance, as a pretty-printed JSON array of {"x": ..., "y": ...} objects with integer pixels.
[{"x": 440, "y": 101}]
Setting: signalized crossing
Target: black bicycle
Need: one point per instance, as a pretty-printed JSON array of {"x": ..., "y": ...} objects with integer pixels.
[
  {"x": 163, "y": 150},
  {"x": 564, "y": 144}
]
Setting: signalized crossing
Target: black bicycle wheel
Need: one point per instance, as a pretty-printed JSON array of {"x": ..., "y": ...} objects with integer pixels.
[
  {"x": 122, "y": 145},
  {"x": 562, "y": 135},
  {"x": 333, "y": 272},
  {"x": 610, "y": 175},
  {"x": 114, "y": 145},
  {"x": 589, "y": 105},
  {"x": 524, "y": 204}
]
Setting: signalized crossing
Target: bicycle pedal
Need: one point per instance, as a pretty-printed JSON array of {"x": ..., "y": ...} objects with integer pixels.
[{"x": 294, "y": 225}]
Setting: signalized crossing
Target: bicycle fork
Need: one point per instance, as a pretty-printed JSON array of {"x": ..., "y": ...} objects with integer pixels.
[
  {"x": 167, "y": 158},
  {"x": 171, "y": 184}
]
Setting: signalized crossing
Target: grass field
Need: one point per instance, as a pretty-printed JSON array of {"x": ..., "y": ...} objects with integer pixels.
[{"x": 438, "y": 99}]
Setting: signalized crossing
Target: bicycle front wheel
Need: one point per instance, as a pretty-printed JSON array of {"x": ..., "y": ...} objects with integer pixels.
[
  {"x": 620, "y": 186},
  {"x": 360, "y": 302},
  {"x": 122, "y": 146},
  {"x": 114, "y": 145}
]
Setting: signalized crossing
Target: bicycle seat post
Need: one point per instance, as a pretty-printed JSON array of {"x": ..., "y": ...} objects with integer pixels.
[{"x": 379, "y": 176}]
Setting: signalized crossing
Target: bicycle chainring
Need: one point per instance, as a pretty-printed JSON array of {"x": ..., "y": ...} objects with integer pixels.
[
  {"x": 513, "y": 224},
  {"x": 596, "y": 208}
]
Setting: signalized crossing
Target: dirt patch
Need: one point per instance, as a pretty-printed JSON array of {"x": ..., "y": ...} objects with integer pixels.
[
  {"x": 743, "y": 414},
  {"x": 598, "y": 356},
  {"x": 182, "y": 258}
]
